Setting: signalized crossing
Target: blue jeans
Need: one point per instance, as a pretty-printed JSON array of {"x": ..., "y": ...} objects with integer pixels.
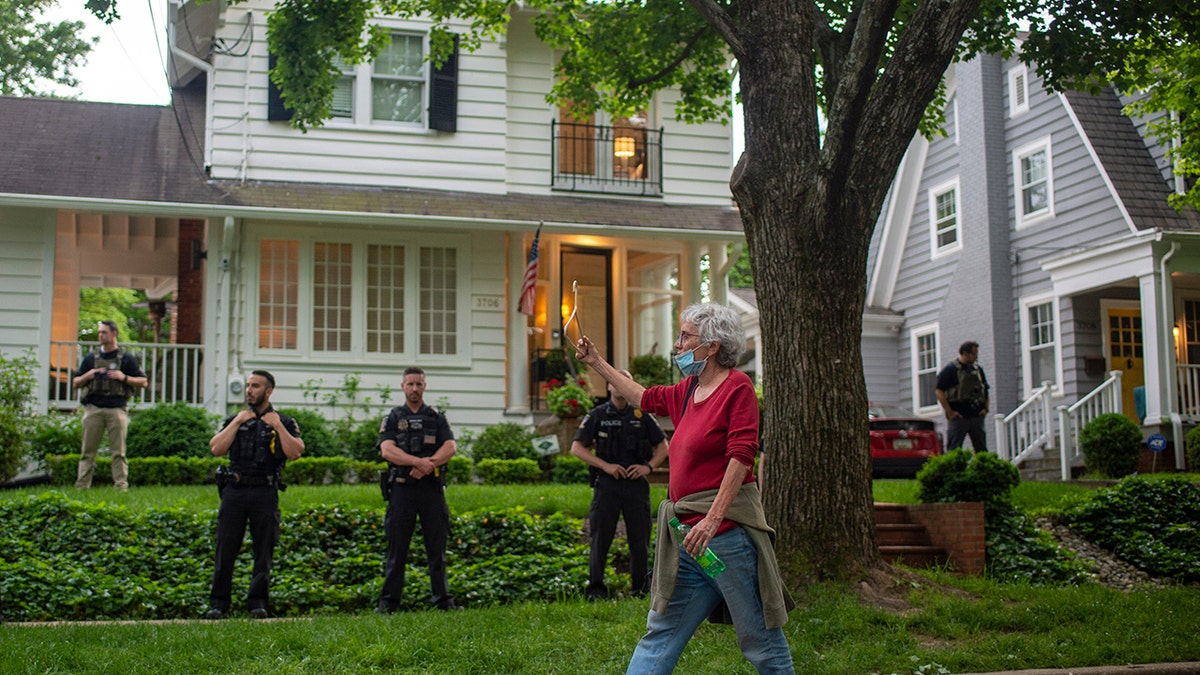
[{"x": 695, "y": 597}]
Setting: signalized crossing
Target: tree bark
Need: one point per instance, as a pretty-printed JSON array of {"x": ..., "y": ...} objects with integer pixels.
[{"x": 809, "y": 209}]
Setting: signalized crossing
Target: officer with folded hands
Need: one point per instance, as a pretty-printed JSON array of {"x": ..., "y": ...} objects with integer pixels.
[
  {"x": 417, "y": 442},
  {"x": 259, "y": 441}
]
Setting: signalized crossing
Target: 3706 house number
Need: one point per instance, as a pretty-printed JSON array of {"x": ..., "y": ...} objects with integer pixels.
[{"x": 488, "y": 302}]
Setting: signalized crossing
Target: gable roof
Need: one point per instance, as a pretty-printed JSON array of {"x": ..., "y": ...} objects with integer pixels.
[
  {"x": 109, "y": 152},
  {"x": 1125, "y": 159}
]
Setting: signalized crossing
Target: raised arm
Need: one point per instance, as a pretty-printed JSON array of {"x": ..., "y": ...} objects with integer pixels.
[{"x": 625, "y": 387}]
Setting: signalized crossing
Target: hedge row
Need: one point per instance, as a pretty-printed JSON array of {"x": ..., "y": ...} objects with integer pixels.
[
  {"x": 61, "y": 559},
  {"x": 63, "y": 470}
]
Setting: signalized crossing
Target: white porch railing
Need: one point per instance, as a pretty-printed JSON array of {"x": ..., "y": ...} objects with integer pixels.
[
  {"x": 1027, "y": 429},
  {"x": 1104, "y": 399},
  {"x": 173, "y": 372},
  {"x": 1188, "y": 377}
]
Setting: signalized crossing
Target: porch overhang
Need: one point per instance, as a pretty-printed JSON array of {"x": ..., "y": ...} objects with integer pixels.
[
  {"x": 1128, "y": 258},
  {"x": 639, "y": 222}
]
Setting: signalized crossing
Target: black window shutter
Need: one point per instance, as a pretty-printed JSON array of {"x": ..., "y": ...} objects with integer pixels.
[
  {"x": 276, "y": 110},
  {"x": 443, "y": 94}
]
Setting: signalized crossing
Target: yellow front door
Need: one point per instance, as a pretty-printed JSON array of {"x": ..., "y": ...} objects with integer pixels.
[{"x": 1125, "y": 354}]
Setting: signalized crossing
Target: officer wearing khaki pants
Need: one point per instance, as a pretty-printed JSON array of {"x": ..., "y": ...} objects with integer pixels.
[{"x": 108, "y": 379}]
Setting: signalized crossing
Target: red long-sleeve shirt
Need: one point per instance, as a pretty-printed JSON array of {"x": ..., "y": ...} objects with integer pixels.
[{"x": 722, "y": 427}]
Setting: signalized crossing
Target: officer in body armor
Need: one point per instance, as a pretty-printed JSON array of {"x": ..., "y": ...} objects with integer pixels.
[
  {"x": 417, "y": 442},
  {"x": 107, "y": 379},
  {"x": 962, "y": 391},
  {"x": 628, "y": 445},
  {"x": 259, "y": 441}
]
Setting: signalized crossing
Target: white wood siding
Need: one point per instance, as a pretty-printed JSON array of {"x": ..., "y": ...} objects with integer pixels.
[
  {"x": 502, "y": 144},
  {"x": 470, "y": 160},
  {"x": 27, "y": 286}
]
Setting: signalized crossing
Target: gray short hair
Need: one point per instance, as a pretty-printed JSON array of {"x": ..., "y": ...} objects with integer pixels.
[{"x": 717, "y": 323}]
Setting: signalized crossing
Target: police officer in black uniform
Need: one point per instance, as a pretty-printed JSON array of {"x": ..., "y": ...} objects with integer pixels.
[
  {"x": 259, "y": 441},
  {"x": 417, "y": 442},
  {"x": 629, "y": 445}
]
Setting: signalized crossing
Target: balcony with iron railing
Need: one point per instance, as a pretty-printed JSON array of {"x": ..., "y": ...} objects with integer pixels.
[{"x": 620, "y": 160}]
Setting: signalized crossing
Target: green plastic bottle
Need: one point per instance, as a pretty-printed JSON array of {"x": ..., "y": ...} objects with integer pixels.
[{"x": 709, "y": 562}]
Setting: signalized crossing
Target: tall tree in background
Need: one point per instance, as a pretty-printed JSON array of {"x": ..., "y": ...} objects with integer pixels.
[
  {"x": 809, "y": 193},
  {"x": 35, "y": 53}
]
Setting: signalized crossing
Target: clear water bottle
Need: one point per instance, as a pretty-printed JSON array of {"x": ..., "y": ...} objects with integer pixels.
[{"x": 709, "y": 562}]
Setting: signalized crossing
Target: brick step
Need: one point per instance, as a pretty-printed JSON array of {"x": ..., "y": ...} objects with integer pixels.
[
  {"x": 901, "y": 534},
  {"x": 914, "y": 556},
  {"x": 891, "y": 514}
]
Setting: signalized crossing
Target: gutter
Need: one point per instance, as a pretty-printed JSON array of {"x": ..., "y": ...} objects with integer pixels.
[
  {"x": 210, "y": 84},
  {"x": 358, "y": 218}
]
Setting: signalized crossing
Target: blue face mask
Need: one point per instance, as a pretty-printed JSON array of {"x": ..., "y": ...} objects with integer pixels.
[{"x": 687, "y": 363}]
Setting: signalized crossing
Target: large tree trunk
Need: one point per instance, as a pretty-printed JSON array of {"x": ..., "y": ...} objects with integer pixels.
[{"x": 809, "y": 204}]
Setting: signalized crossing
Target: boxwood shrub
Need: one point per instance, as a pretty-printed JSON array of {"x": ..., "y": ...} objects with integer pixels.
[
  {"x": 1111, "y": 445},
  {"x": 319, "y": 441},
  {"x": 509, "y": 471},
  {"x": 569, "y": 469},
  {"x": 506, "y": 440},
  {"x": 12, "y": 446},
  {"x": 170, "y": 430}
]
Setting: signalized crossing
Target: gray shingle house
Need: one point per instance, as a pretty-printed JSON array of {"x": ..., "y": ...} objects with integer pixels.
[{"x": 1039, "y": 227}]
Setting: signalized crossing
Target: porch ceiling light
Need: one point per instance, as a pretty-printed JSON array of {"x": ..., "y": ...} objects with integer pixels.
[{"x": 623, "y": 147}]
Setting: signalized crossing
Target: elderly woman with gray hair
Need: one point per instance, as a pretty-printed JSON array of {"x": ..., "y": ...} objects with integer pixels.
[{"x": 712, "y": 489}]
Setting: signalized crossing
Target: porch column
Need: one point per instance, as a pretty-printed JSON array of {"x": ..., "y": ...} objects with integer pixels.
[
  {"x": 517, "y": 353},
  {"x": 718, "y": 279},
  {"x": 1157, "y": 362},
  {"x": 689, "y": 274}
]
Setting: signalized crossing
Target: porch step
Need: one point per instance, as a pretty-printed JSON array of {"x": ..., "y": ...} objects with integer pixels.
[
  {"x": 902, "y": 541},
  {"x": 1045, "y": 469}
]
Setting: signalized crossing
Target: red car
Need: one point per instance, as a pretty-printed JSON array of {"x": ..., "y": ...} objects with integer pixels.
[{"x": 901, "y": 441}]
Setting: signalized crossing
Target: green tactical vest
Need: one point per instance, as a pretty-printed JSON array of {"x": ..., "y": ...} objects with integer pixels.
[{"x": 107, "y": 386}]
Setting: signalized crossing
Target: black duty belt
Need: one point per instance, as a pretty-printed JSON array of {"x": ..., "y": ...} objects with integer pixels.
[{"x": 251, "y": 481}]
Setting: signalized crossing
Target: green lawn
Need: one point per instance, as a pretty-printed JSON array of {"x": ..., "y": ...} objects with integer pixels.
[
  {"x": 995, "y": 627},
  {"x": 984, "y": 626}
]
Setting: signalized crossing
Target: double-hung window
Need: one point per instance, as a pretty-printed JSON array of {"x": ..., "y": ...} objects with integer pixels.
[
  {"x": 944, "y": 230},
  {"x": 925, "y": 367},
  {"x": 354, "y": 297},
  {"x": 1033, "y": 179},
  {"x": 397, "y": 90},
  {"x": 1040, "y": 341}
]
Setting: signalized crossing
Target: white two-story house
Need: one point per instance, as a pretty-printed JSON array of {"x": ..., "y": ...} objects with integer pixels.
[
  {"x": 1039, "y": 227},
  {"x": 396, "y": 234}
]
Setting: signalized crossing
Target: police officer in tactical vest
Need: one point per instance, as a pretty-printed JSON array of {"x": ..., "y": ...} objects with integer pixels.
[
  {"x": 628, "y": 445},
  {"x": 107, "y": 380},
  {"x": 259, "y": 441},
  {"x": 962, "y": 391},
  {"x": 417, "y": 442}
]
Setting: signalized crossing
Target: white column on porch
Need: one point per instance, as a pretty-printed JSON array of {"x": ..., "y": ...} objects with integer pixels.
[
  {"x": 718, "y": 279},
  {"x": 517, "y": 353},
  {"x": 689, "y": 274},
  {"x": 1156, "y": 363}
]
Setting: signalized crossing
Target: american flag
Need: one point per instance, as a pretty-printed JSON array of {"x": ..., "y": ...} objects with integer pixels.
[{"x": 529, "y": 286}]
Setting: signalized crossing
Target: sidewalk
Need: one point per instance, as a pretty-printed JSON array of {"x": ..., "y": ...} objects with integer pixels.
[{"x": 1189, "y": 668}]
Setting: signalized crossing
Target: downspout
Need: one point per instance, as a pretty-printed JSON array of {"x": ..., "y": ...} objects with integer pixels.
[
  {"x": 246, "y": 104},
  {"x": 209, "y": 82},
  {"x": 1168, "y": 341}
]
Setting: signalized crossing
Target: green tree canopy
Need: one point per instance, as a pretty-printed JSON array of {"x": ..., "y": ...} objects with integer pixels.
[
  {"x": 35, "y": 53},
  {"x": 1144, "y": 48}
]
